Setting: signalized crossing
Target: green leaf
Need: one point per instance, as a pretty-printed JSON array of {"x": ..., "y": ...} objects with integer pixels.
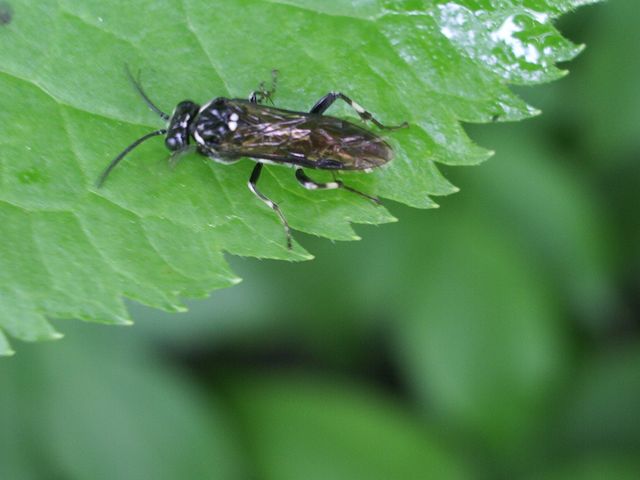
[
  {"x": 318, "y": 429},
  {"x": 575, "y": 240},
  {"x": 592, "y": 105},
  {"x": 130, "y": 417},
  {"x": 482, "y": 347},
  {"x": 596, "y": 466},
  {"x": 602, "y": 405},
  {"x": 155, "y": 235}
]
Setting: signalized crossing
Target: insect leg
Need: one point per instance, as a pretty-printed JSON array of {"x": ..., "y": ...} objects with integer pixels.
[
  {"x": 147, "y": 100},
  {"x": 253, "y": 180},
  {"x": 325, "y": 102},
  {"x": 176, "y": 156},
  {"x": 262, "y": 94},
  {"x": 310, "y": 184},
  {"x": 216, "y": 157}
]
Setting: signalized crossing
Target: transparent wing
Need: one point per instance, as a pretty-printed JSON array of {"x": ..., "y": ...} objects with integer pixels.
[{"x": 311, "y": 140}]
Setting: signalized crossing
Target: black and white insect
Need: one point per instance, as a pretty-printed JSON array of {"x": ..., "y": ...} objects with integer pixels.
[{"x": 226, "y": 130}]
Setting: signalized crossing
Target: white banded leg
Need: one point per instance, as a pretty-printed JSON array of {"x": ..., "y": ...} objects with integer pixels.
[
  {"x": 253, "y": 180},
  {"x": 310, "y": 184},
  {"x": 325, "y": 102}
]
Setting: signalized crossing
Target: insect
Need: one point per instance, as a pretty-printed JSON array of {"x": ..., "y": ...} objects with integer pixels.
[{"x": 226, "y": 130}]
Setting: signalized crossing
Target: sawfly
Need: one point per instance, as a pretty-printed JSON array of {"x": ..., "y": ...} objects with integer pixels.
[{"x": 228, "y": 129}]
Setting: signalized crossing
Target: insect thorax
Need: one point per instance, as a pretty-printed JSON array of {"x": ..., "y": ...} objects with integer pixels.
[{"x": 215, "y": 121}]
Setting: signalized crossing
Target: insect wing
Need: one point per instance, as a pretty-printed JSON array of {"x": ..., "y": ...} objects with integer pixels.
[{"x": 311, "y": 140}]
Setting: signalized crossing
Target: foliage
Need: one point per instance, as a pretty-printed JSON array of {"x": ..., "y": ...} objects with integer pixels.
[
  {"x": 497, "y": 337},
  {"x": 155, "y": 235}
]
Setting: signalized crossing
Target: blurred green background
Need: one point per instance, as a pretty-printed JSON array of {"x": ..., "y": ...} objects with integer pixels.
[{"x": 496, "y": 337}]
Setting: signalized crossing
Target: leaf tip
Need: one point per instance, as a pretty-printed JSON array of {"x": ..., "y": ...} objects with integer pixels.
[{"x": 298, "y": 254}]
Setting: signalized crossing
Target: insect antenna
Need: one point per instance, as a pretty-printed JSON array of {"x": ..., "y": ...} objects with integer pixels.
[
  {"x": 122, "y": 154},
  {"x": 147, "y": 100}
]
